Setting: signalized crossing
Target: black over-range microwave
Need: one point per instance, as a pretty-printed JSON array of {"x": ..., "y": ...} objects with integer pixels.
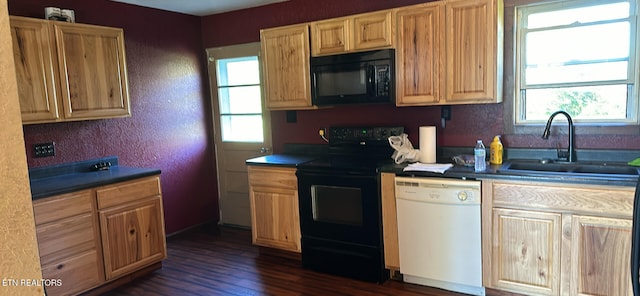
[{"x": 353, "y": 78}]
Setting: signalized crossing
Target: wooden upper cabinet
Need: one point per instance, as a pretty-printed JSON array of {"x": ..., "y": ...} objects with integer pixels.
[
  {"x": 359, "y": 32},
  {"x": 420, "y": 54},
  {"x": 34, "y": 56},
  {"x": 67, "y": 71},
  {"x": 93, "y": 71},
  {"x": 449, "y": 52},
  {"x": 474, "y": 51},
  {"x": 331, "y": 36},
  {"x": 286, "y": 67},
  {"x": 372, "y": 30}
]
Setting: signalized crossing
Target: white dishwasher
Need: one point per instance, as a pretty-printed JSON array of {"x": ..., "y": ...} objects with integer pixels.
[{"x": 439, "y": 233}]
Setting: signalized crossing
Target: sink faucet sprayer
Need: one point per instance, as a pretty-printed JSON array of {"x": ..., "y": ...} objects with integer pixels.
[{"x": 570, "y": 154}]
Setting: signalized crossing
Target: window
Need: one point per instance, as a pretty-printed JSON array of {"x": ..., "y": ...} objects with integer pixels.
[
  {"x": 240, "y": 99},
  {"x": 577, "y": 56}
]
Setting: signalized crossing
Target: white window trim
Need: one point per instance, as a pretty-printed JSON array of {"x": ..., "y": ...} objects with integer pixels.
[
  {"x": 516, "y": 108},
  {"x": 510, "y": 89}
]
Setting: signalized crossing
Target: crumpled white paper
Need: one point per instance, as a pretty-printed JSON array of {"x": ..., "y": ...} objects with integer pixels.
[{"x": 404, "y": 151}]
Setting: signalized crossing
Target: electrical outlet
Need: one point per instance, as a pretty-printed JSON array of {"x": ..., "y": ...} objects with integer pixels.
[{"x": 44, "y": 149}]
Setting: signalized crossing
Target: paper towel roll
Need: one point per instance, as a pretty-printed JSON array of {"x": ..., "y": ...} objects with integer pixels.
[{"x": 427, "y": 144}]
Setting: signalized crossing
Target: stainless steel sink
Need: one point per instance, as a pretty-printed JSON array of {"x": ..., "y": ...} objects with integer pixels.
[{"x": 569, "y": 168}]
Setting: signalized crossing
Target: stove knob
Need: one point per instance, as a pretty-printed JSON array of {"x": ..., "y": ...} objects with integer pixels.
[{"x": 462, "y": 195}]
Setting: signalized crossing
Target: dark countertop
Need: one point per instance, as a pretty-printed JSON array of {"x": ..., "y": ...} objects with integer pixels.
[
  {"x": 287, "y": 160},
  {"x": 493, "y": 172},
  {"x": 65, "y": 178}
]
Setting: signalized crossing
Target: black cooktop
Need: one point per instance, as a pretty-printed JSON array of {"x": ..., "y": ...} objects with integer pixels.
[{"x": 356, "y": 149}]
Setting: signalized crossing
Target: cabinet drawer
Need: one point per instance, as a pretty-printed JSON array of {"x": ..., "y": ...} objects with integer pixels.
[
  {"x": 616, "y": 201},
  {"x": 273, "y": 177},
  {"x": 75, "y": 274},
  {"x": 66, "y": 237},
  {"x": 126, "y": 192},
  {"x": 62, "y": 206}
]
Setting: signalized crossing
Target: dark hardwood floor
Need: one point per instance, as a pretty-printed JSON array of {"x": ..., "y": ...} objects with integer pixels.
[{"x": 222, "y": 261}]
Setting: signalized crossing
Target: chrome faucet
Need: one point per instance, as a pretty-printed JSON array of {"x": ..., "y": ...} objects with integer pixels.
[{"x": 570, "y": 154}]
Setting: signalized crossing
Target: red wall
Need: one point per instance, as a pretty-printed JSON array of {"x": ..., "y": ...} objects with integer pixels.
[
  {"x": 171, "y": 124},
  {"x": 468, "y": 123}
]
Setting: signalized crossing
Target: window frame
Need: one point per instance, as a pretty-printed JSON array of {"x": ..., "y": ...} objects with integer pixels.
[
  {"x": 223, "y": 75},
  {"x": 511, "y": 104}
]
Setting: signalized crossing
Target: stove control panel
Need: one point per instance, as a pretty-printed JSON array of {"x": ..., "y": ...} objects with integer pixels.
[{"x": 379, "y": 133}]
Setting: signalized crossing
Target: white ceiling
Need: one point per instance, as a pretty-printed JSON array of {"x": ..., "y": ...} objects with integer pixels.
[{"x": 199, "y": 7}]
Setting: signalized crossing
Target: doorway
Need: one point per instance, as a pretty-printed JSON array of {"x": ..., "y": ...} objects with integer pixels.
[{"x": 242, "y": 125}]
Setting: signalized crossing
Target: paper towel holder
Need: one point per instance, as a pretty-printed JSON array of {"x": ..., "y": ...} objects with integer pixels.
[{"x": 445, "y": 114}]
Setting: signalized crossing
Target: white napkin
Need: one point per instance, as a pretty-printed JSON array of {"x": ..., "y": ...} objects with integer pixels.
[{"x": 428, "y": 167}]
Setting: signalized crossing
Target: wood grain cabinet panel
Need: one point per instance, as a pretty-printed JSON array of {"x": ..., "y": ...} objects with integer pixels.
[
  {"x": 286, "y": 67},
  {"x": 544, "y": 238},
  {"x": 474, "y": 51},
  {"x": 68, "y": 241},
  {"x": 93, "y": 71},
  {"x": 526, "y": 251},
  {"x": 420, "y": 54},
  {"x": 275, "y": 216},
  {"x": 76, "y": 274},
  {"x": 600, "y": 252},
  {"x": 390, "y": 222},
  {"x": 373, "y": 30},
  {"x": 36, "y": 62},
  {"x": 449, "y": 52},
  {"x": 132, "y": 236},
  {"x": 68, "y": 71},
  {"x": 330, "y": 36},
  {"x": 86, "y": 246},
  {"x": 127, "y": 192},
  {"x": 367, "y": 31}
]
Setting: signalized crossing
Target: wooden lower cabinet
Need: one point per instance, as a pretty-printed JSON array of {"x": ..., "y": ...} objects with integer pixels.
[
  {"x": 132, "y": 225},
  {"x": 92, "y": 237},
  {"x": 600, "y": 252},
  {"x": 69, "y": 242},
  {"x": 526, "y": 253},
  {"x": 544, "y": 238},
  {"x": 275, "y": 217},
  {"x": 132, "y": 237}
]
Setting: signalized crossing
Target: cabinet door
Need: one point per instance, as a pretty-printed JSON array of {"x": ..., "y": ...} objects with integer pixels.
[
  {"x": 600, "y": 252},
  {"x": 285, "y": 58},
  {"x": 420, "y": 50},
  {"x": 34, "y": 59},
  {"x": 275, "y": 218},
  {"x": 472, "y": 45},
  {"x": 372, "y": 30},
  {"x": 526, "y": 251},
  {"x": 93, "y": 71},
  {"x": 132, "y": 236},
  {"x": 330, "y": 36}
]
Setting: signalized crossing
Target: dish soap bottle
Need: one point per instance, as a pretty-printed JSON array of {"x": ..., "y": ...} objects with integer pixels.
[
  {"x": 480, "y": 157},
  {"x": 495, "y": 151}
]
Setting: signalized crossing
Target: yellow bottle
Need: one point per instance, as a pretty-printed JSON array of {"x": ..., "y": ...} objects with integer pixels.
[{"x": 495, "y": 151}]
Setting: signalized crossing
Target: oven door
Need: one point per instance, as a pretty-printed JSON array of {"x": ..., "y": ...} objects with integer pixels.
[{"x": 343, "y": 207}]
